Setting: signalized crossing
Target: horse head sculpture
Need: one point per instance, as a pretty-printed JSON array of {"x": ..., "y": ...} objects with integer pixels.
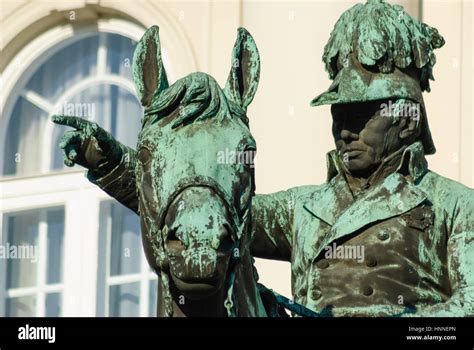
[{"x": 195, "y": 180}]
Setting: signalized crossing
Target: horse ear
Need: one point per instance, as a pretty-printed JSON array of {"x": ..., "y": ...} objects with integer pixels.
[
  {"x": 245, "y": 72},
  {"x": 149, "y": 73}
]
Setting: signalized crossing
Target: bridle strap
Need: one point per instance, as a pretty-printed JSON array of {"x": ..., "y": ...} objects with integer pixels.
[{"x": 229, "y": 303}]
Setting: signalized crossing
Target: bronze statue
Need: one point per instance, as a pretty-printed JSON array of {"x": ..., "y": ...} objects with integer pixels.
[
  {"x": 384, "y": 236},
  {"x": 194, "y": 210}
]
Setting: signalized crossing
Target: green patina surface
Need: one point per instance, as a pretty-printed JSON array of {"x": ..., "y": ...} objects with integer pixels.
[
  {"x": 385, "y": 36},
  {"x": 416, "y": 227},
  {"x": 185, "y": 127}
]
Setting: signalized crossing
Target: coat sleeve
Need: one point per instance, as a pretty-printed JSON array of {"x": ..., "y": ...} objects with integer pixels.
[
  {"x": 120, "y": 181},
  {"x": 460, "y": 262},
  {"x": 272, "y": 225}
]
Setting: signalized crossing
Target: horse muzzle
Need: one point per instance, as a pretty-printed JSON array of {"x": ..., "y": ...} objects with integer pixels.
[{"x": 198, "y": 272}]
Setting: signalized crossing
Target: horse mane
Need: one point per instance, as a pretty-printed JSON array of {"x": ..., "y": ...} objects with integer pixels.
[{"x": 197, "y": 97}]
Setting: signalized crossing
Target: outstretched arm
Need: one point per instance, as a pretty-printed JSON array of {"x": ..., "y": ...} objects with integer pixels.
[
  {"x": 120, "y": 182},
  {"x": 272, "y": 226},
  {"x": 110, "y": 164}
]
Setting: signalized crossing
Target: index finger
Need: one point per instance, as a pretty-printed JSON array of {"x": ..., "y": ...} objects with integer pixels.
[{"x": 68, "y": 120}]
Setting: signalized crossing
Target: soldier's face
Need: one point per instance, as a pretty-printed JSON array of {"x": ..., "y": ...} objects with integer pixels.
[{"x": 362, "y": 136}]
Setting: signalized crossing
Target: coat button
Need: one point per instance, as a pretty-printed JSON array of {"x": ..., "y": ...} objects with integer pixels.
[
  {"x": 316, "y": 294},
  {"x": 371, "y": 262},
  {"x": 322, "y": 264},
  {"x": 367, "y": 291},
  {"x": 383, "y": 235}
]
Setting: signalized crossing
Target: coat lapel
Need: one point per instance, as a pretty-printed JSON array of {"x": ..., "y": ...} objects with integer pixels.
[
  {"x": 335, "y": 197},
  {"x": 331, "y": 201},
  {"x": 391, "y": 198}
]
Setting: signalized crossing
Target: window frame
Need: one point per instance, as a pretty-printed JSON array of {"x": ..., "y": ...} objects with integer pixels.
[
  {"x": 105, "y": 280},
  {"x": 43, "y": 48},
  {"x": 69, "y": 189},
  {"x": 80, "y": 199},
  {"x": 41, "y": 288}
]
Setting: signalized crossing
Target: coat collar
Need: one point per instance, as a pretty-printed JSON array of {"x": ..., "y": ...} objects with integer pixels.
[
  {"x": 393, "y": 196},
  {"x": 413, "y": 162}
]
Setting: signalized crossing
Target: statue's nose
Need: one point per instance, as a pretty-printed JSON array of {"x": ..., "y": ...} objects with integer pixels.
[{"x": 348, "y": 135}]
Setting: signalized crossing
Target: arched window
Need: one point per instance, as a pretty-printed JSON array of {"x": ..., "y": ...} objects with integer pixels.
[
  {"x": 89, "y": 77},
  {"x": 85, "y": 255}
]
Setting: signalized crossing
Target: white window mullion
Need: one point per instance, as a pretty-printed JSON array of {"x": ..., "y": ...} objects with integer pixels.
[
  {"x": 124, "y": 279},
  {"x": 38, "y": 100},
  {"x": 102, "y": 55},
  {"x": 73, "y": 277},
  {"x": 42, "y": 264},
  {"x": 89, "y": 248},
  {"x": 22, "y": 292},
  {"x": 26, "y": 291}
]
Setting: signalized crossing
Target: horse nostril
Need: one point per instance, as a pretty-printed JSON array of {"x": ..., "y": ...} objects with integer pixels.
[
  {"x": 226, "y": 241},
  {"x": 173, "y": 241},
  {"x": 226, "y": 244}
]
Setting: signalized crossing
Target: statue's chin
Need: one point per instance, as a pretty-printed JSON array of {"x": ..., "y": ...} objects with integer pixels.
[
  {"x": 358, "y": 167},
  {"x": 196, "y": 289}
]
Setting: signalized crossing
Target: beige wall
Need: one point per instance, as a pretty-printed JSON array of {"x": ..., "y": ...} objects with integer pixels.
[{"x": 292, "y": 137}]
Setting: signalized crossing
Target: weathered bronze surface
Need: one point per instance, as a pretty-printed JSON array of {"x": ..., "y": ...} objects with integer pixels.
[
  {"x": 194, "y": 209},
  {"x": 383, "y": 236}
]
